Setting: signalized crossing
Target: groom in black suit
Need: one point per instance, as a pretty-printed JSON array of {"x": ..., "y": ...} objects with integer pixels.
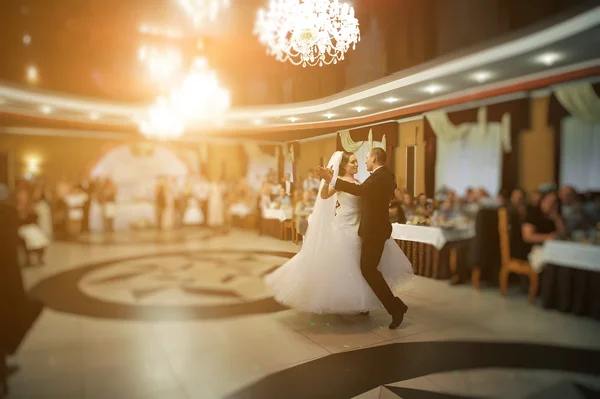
[{"x": 375, "y": 227}]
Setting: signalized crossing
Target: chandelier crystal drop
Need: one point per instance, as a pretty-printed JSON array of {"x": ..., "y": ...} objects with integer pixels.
[
  {"x": 307, "y": 32},
  {"x": 202, "y": 11},
  {"x": 199, "y": 96}
]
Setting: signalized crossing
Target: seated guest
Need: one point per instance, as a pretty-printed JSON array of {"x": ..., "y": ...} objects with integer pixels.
[
  {"x": 518, "y": 202},
  {"x": 314, "y": 193},
  {"x": 283, "y": 200},
  {"x": 302, "y": 212},
  {"x": 311, "y": 182},
  {"x": 408, "y": 205},
  {"x": 572, "y": 210},
  {"x": 470, "y": 195},
  {"x": 542, "y": 223},
  {"x": 448, "y": 209},
  {"x": 396, "y": 213},
  {"x": 591, "y": 206},
  {"x": 423, "y": 207},
  {"x": 264, "y": 201}
]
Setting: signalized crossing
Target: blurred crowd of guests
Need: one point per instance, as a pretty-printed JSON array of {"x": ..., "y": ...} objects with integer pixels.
[{"x": 550, "y": 212}]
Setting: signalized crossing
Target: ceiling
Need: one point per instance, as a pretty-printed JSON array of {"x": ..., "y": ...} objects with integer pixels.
[{"x": 559, "y": 49}]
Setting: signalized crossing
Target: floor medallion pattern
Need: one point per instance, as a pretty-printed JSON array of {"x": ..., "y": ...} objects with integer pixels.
[{"x": 204, "y": 284}]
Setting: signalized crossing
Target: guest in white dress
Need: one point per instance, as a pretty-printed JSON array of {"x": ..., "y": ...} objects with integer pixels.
[
  {"x": 44, "y": 216},
  {"x": 32, "y": 237}
]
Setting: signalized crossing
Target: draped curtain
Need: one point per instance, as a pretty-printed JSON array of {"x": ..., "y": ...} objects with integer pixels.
[
  {"x": 510, "y": 117},
  {"x": 259, "y": 164},
  {"x": 574, "y": 113},
  {"x": 473, "y": 160},
  {"x": 580, "y": 154}
]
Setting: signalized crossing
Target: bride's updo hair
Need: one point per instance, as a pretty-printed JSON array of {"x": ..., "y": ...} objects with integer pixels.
[{"x": 345, "y": 158}]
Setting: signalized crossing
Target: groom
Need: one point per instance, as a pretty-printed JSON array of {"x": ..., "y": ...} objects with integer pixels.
[{"x": 375, "y": 227}]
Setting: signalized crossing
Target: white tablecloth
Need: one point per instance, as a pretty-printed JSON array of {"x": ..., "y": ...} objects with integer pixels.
[
  {"x": 436, "y": 236},
  {"x": 566, "y": 253},
  {"x": 241, "y": 210},
  {"x": 278, "y": 214}
]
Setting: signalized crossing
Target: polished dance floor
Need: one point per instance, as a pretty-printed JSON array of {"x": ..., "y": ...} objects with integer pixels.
[{"x": 142, "y": 316}]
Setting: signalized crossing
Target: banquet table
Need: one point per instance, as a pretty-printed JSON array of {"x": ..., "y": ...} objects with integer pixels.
[
  {"x": 427, "y": 246},
  {"x": 570, "y": 279},
  {"x": 272, "y": 220}
]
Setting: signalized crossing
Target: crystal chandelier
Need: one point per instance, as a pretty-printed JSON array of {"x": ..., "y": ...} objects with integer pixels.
[
  {"x": 307, "y": 32},
  {"x": 201, "y": 11},
  {"x": 162, "y": 64},
  {"x": 162, "y": 122},
  {"x": 199, "y": 96}
]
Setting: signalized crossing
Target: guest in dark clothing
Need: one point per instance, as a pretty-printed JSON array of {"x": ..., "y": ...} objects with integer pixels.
[
  {"x": 542, "y": 223},
  {"x": 160, "y": 203},
  {"x": 17, "y": 313}
]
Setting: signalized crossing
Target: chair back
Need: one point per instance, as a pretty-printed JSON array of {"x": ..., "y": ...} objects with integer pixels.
[{"x": 503, "y": 232}]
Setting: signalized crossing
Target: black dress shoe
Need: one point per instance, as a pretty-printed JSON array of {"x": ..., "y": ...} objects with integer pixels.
[
  {"x": 364, "y": 313},
  {"x": 398, "y": 317}
]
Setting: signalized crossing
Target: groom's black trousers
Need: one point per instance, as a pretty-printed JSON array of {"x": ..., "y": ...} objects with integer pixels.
[{"x": 370, "y": 255}]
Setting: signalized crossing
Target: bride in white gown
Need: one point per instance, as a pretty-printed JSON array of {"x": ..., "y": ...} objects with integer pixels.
[{"x": 325, "y": 277}]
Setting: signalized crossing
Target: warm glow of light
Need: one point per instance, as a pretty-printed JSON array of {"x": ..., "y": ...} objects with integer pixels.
[
  {"x": 32, "y": 74},
  {"x": 309, "y": 32},
  {"x": 329, "y": 116},
  {"x": 163, "y": 64},
  {"x": 27, "y": 39},
  {"x": 359, "y": 109},
  {"x": 200, "y": 95},
  {"x": 46, "y": 109},
  {"x": 482, "y": 76},
  {"x": 33, "y": 164},
  {"x": 292, "y": 119},
  {"x": 168, "y": 32},
  {"x": 391, "y": 100},
  {"x": 202, "y": 11},
  {"x": 258, "y": 122},
  {"x": 433, "y": 88},
  {"x": 549, "y": 59},
  {"x": 94, "y": 116},
  {"x": 162, "y": 122}
]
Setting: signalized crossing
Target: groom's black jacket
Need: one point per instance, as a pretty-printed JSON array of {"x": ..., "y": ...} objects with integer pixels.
[{"x": 376, "y": 192}]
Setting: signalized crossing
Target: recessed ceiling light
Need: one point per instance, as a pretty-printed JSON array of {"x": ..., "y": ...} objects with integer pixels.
[
  {"x": 359, "y": 109},
  {"x": 27, "y": 39},
  {"x": 329, "y": 115},
  {"x": 258, "y": 122},
  {"x": 32, "y": 74},
  {"x": 482, "y": 76},
  {"x": 549, "y": 59},
  {"x": 292, "y": 119},
  {"x": 391, "y": 100},
  {"x": 94, "y": 116},
  {"x": 433, "y": 88},
  {"x": 46, "y": 109}
]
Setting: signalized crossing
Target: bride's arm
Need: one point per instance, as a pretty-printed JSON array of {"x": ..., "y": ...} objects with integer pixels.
[{"x": 327, "y": 191}]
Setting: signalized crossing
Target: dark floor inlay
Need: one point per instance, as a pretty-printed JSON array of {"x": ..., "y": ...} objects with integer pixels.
[
  {"x": 409, "y": 393},
  {"x": 101, "y": 289},
  {"x": 349, "y": 374}
]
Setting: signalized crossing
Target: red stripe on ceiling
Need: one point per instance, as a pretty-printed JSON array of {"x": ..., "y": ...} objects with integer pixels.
[{"x": 325, "y": 126}]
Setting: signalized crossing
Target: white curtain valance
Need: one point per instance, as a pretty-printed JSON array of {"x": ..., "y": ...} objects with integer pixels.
[
  {"x": 347, "y": 143},
  {"x": 581, "y": 101},
  {"x": 444, "y": 129},
  {"x": 352, "y": 146}
]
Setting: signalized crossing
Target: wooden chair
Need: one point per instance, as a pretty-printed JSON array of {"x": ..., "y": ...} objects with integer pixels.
[
  {"x": 510, "y": 264},
  {"x": 290, "y": 224}
]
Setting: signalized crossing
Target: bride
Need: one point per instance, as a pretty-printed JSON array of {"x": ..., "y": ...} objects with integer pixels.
[{"x": 325, "y": 277}]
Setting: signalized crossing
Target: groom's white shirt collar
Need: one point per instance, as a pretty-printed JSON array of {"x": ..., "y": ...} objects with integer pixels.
[{"x": 375, "y": 170}]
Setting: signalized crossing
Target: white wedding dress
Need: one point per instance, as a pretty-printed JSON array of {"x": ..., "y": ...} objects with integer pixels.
[{"x": 325, "y": 277}]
